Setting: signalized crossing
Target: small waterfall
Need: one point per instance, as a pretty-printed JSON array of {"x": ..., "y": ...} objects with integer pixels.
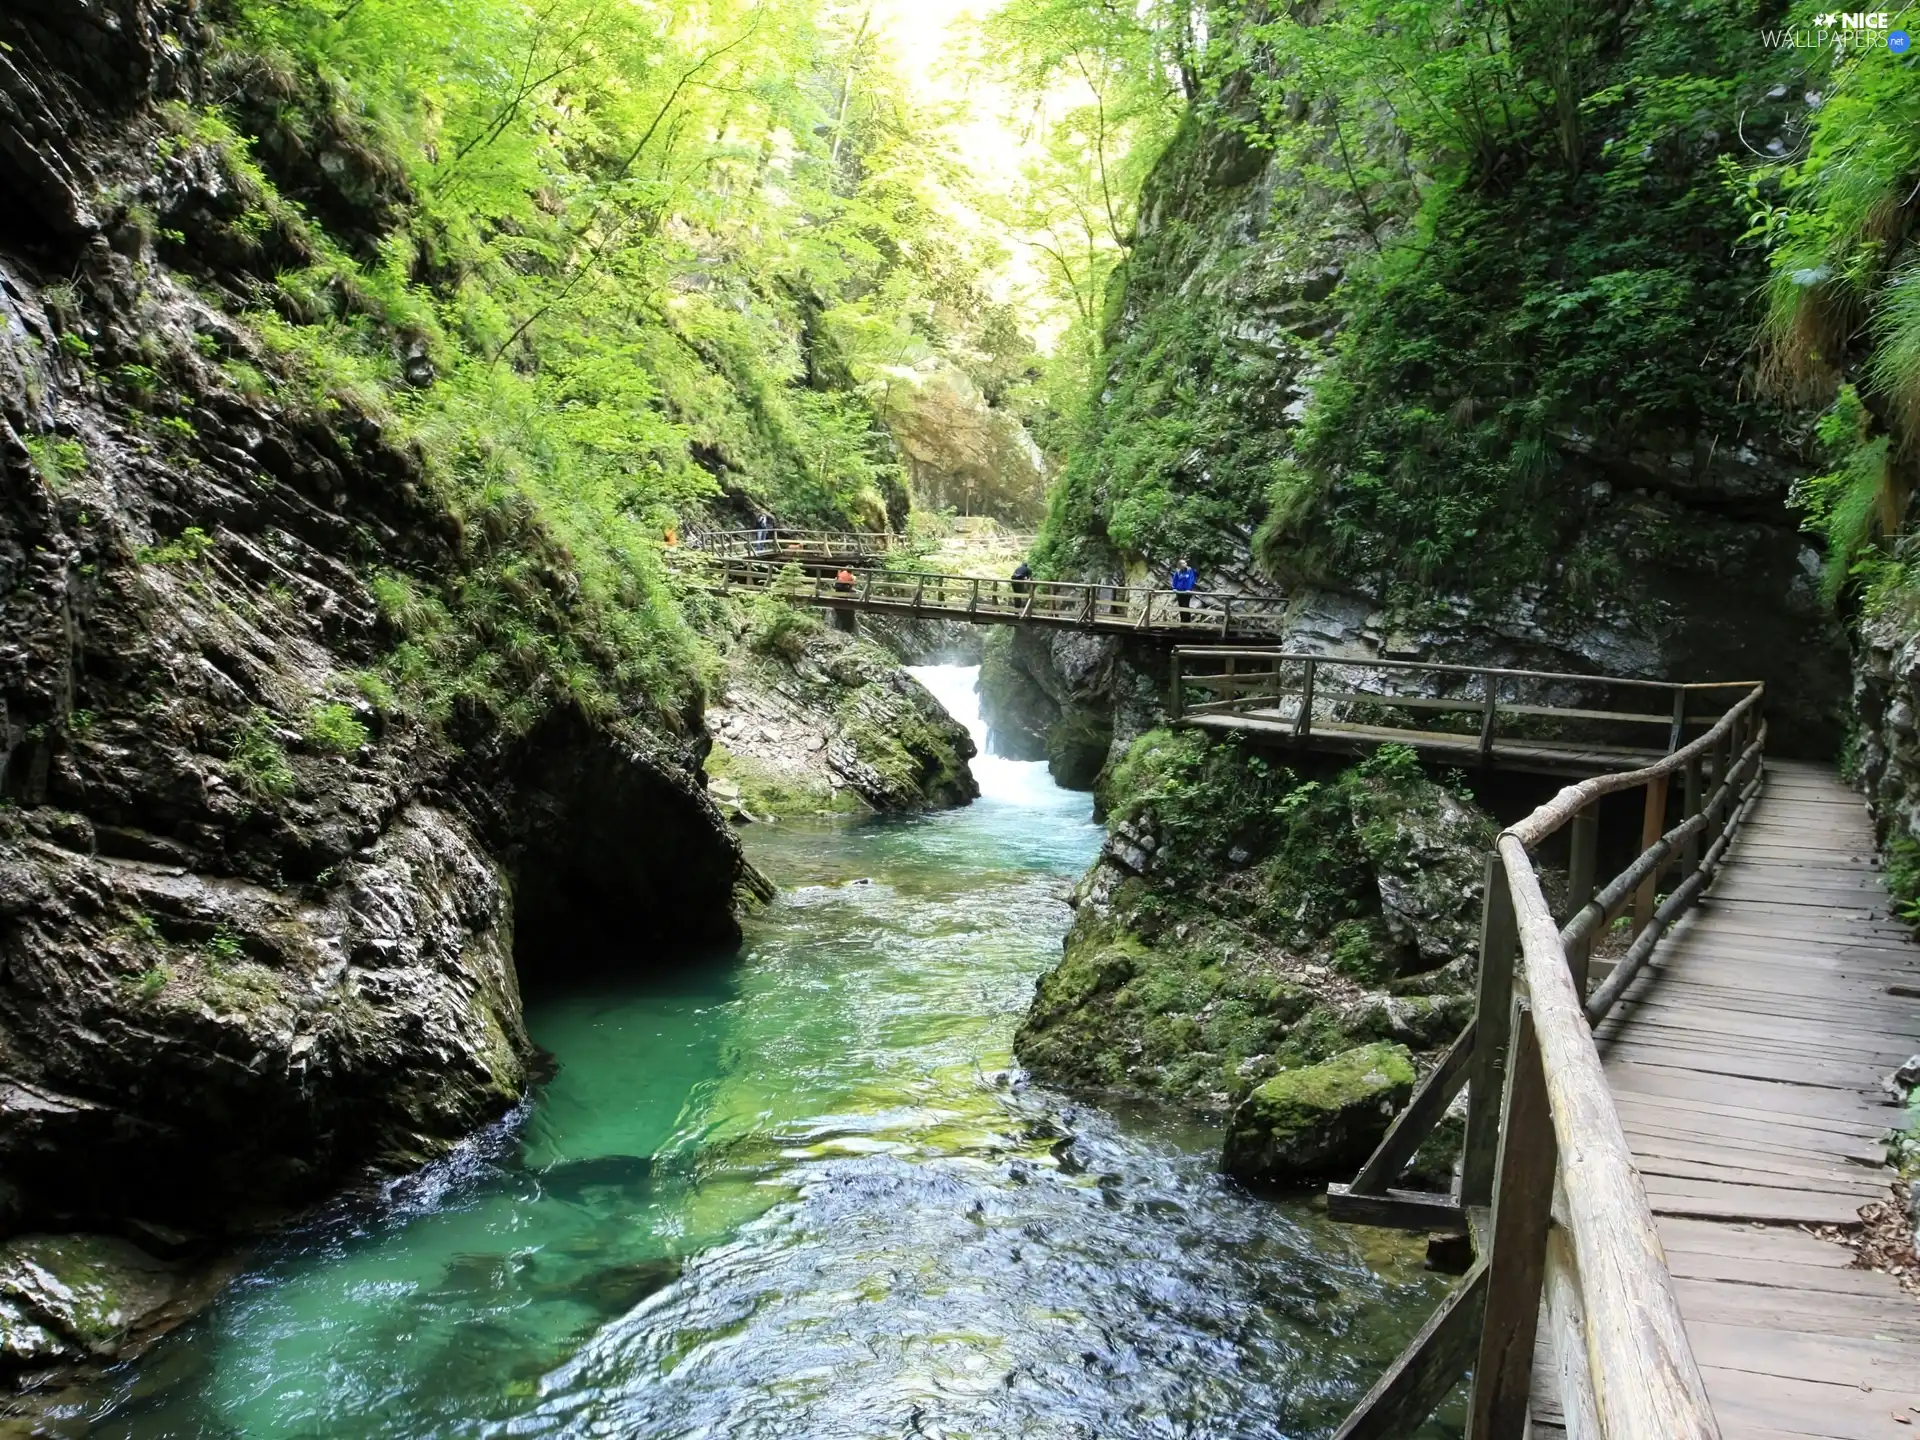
[{"x": 1022, "y": 783}]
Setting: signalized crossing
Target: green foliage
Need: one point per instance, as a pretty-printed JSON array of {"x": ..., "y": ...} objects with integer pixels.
[
  {"x": 258, "y": 760},
  {"x": 1844, "y": 303},
  {"x": 335, "y": 727},
  {"x": 58, "y": 461},
  {"x": 374, "y": 687},
  {"x": 1855, "y": 501},
  {"x": 780, "y": 627},
  {"x": 1902, "y": 870},
  {"x": 595, "y": 264},
  {"x": 223, "y": 948},
  {"x": 189, "y": 548}
]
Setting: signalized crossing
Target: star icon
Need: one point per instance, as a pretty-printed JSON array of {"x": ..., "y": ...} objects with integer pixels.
[{"x": 1826, "y": 22}]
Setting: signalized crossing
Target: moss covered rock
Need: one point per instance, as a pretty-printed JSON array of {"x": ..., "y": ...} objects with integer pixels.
[
  {"x": 1322, "y": 1120},
  {"x": 1247, "y": 921},
  {"x": 75, "y": 1297},
  {"x": 813, "y": 721}
]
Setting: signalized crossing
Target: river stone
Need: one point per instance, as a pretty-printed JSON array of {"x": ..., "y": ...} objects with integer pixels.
[
  {"x": 75, "y": 1297},
  {"x": 1322, "y": 1120}
]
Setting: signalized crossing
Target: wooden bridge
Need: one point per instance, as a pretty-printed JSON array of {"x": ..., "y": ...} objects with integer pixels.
[
  {"x": 985, "y": 600},
  {"x": 1526, "y": 720},
  {"x": 835, "y": 547},
  {"x": 1648, "y": 1123}
]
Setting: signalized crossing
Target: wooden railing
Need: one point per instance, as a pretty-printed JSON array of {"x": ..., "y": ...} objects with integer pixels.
[
  {"x": 1300, "y": 690},
  {"x": 1547, "y": 1186},
  {"x": 780, "y": 546},
  {"x": 1045, "y": 602}
]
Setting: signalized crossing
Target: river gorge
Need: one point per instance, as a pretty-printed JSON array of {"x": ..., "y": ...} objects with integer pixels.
[{"x": 800, "y": 1191}]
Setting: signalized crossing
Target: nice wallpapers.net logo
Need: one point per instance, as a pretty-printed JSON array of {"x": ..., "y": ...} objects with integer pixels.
[{"x": 1841, "y": 30}]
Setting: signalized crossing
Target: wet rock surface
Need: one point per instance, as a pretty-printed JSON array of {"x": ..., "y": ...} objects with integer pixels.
[
  {"x": 1245, "y": 923},
  {"x": 259, "y": 924},
  {"x": 832, "y": 722},
  {"x": 1320, "y": 1120}
]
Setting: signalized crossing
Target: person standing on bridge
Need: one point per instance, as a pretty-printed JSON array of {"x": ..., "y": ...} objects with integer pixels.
[
  {"x": 1185, "y": 577},
  {"x": 762, "y": 532},
  {"x": 843, "y": 582}
]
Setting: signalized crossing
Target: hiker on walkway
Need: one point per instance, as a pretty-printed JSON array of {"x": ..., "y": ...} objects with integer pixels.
[
  {"x": 843, "y": 582},
  {"x": 1022, "y": 580},
  {"x": 1184, "y": 579},
  {"x": 762, "y": 533}
]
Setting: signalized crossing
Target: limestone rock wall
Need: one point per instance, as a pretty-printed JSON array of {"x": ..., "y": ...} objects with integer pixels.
[{"x": 261, "y": 929}]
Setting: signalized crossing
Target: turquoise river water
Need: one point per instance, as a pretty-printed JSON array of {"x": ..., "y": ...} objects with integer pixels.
[{"x": 801, "y": 1192}]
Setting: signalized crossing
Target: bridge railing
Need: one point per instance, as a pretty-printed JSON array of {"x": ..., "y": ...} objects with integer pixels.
[
  {"x": 779, "y": 546},
  {"x": 1299, "y": 689},
  {"x": 1047, "y": 602},
  {"x": 1547, "y": 1186}
]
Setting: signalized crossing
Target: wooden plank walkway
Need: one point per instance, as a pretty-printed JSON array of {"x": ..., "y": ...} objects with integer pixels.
[
  {"x": 1746, "y": 1064},
  {"x": 1537, "y": 757}
]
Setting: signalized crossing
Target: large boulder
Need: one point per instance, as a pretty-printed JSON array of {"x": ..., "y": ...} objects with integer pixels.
[{"x": 1318, "y": 1121}]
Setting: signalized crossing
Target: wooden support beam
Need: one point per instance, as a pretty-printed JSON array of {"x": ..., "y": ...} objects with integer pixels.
[
  {"x": 1584, "y": 850},
  {"x": 1690, "y": 807},
  {"x": 1498, "y": 944},
  {"x": 1397, "y": 1210},
  {"x": 1652, "y": 822},
  {"x": 1414, "y": 1124},
  {"x": 1489, "y": 712},
  {"x": 1413, "y": 1387},
  {"x": 1568, "y": 1318},
  {"x": 1516, "y": 1268}
]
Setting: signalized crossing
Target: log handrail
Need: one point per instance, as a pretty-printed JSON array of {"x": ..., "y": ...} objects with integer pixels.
[{"x": 1570, "y": 1209}]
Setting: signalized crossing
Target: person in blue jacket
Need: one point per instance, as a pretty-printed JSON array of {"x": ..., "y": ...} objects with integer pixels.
[{"x": 1184, "y": 579}]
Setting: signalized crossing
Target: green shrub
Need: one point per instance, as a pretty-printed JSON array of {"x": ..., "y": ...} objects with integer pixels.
[
  {"x": 780, "y": 627},
  {"x": 58, "y": 461},
  {"x": 335, "y": 727},
  {"x": 258, "y": 760},
  {"x": 191, "y": 546}
]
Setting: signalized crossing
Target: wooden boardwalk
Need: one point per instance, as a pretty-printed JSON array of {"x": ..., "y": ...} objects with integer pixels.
[
  {"x": 1278, "y": 727},
  {"x": 1745, "y": 1063}
]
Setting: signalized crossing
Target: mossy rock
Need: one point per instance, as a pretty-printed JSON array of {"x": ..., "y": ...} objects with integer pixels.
[
  {"x": 1318, "y": 1121},
  {"x": 68, "y": 1297}
]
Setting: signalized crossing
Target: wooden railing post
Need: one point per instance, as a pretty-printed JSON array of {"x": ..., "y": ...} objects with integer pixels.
[
  {"x": 1516, "y": 1264},
  {"x": 1226, "y": 616},
  {"x": 1492, "y": 1015},
  {"x": 1177, "y": 701},
  {"x": 1303, "y": 723},
  {"x": 1690, "y": 807},
  {"x": 1653, "y": 824},
  {"x": 1583, "y": 846},
  {"x": 1678, "y": 733},
  {"x": 1488, "y": 713}
]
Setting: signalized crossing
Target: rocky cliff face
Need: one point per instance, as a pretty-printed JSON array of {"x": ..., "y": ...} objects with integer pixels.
[
  {"x": 1886, "y": 750},
  {"x": 1246, "y": 924},
  {"x": 1418, "y": 460},
  {"x": 962, "y": 454},
  {"x": 262, "y": 924},
  {"x": 813, "y": 721}
]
